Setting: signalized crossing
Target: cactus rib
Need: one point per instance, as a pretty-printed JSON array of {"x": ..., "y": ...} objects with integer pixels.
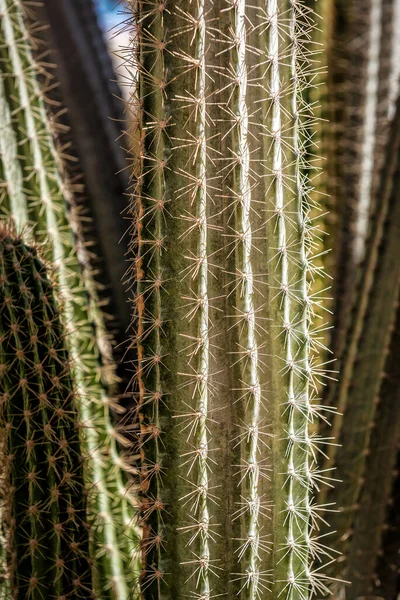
[
  {"x": 201, "y": 359},
  {"x": 250, "y": 551},
  {"x": 369, "y": 125},
  {"x": 294, "y": 532},
  {"x": 369, "y": 525},
  {"x": 149, "y": 204}
]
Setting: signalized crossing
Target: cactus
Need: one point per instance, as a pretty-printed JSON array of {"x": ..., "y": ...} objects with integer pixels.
[
  {"x": 361, "y": 431},
  {"x": 386, "y": 566},
  {"x": 43, "y": 491},
  {"x": 386, "y": 576},
  {"x": 362, "y": 85},
  {"x": 372, "y": 516},
  {"x": 35, "y": 195},
  {"x": 361, "y": 82},
  {"x": 68, "y": 34},
  {"x": 222, "y": 252}
]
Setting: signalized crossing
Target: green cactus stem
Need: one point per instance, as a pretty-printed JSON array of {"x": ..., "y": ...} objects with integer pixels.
[
  {"x": 361, "y": 82},
  {"x": 68, "y": 34},
  {"x": 364, "y": 363},
  {"x": 386, "y": 578},
  {"x": 35, "y": 195},
  {"x": 371, "y": 517},
  {"x": 222, "y": 253},
  {"x": 46, "y": 497}
]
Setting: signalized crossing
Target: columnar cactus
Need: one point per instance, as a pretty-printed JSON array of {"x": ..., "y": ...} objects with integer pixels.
[
  {"x": 362, "y": 80},
  {"x": 366, "y": 432},
  {"x": 34, "y": 195},
  {"x": 43, "y": 492},
  {"x": 89, "y": 119},
  {"x": 362, "y": 145},
  {"x": 222, "y": 248}
]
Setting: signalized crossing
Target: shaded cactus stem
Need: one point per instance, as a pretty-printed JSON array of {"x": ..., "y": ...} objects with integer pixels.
[{"x": 43, "y": 495}]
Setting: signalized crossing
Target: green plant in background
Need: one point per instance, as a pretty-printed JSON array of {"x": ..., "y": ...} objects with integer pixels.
[
  {"x": 224, "y": 321},
  {"x": 43, "y": 491},
  {"x": 34, "y": 195},
  {"x": 360, "y": 95},
  {"x": 367, "y": 431}
]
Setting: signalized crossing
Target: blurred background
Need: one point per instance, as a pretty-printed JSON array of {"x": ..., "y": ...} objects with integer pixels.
[
  {"x": 111, "y": 17},
  {"x": 109, "y": 13}
]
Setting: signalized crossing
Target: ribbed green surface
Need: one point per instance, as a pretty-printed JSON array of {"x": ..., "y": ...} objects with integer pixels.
[
  {"x": 44, "y": 493},
  {"x": 34, "y": 196},
  {"x": 359, "y": 391},
  {"x": 222, "y": 259}
]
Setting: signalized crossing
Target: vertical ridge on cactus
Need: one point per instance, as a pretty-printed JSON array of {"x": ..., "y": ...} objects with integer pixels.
[
  {"x": 253, "y": 546},
  {"x": 149, "y": 323},
  {"x": 371, "y": 519},
  {"x": 222, "y": 250},
  {"x": 44, "y": 491},
  {"x": 199, "y": 360},
  {"x": 387, "y": 565},
  {"x": 369, "y": 125}
]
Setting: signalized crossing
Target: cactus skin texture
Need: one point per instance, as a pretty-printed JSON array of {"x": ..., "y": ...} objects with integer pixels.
[
  {"x": 35, "y": 195},
  {"x": 45, "y": 495},
  {"x": 222, "y": 251}
]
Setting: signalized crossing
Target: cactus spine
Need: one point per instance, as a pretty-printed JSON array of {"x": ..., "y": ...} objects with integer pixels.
[
  {"x": 34, "y": 195},
  {"x": 234, "y": 198},
  {"x": 44, "y": 492}
]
